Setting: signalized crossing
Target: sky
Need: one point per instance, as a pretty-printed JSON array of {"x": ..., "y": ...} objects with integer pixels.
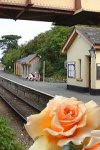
[{"x": 26, "y": 29}]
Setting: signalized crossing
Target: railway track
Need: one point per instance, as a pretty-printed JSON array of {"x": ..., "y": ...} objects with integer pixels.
[{"x": 22, "y": 107}]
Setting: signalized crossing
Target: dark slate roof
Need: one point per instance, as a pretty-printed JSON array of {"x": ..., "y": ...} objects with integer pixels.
[
  {"x": 27, "y": 59},
  {"x": 92, "y": 34},
  {"x": 20, "y": 60}
]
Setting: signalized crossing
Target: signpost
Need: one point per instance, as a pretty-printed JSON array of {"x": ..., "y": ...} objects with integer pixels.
[{"x": 43, "y": 71}]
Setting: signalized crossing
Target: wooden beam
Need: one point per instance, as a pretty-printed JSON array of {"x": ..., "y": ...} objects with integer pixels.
[
  {"x": 78, "y": 5},
  {"x": 27, "y": 6},
  {"x": 97, "y": 47}
]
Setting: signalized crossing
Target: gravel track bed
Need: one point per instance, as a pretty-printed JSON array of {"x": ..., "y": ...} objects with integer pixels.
[
  {"x": 20, "y": 105},
  {"x": 15, "y": 123}
]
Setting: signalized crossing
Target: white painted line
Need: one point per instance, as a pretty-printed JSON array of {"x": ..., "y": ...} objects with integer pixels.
[{"x": 26, "y": 86}]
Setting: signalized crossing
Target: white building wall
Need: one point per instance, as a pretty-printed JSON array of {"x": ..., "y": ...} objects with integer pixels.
[
  {"x": 97, "y": 61},
  {"x": 79, "y": 50},
  {"x": 93, "y": 73}
]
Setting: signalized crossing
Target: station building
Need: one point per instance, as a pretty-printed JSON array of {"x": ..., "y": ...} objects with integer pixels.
[
  {"x": 27, "y": 65},
  {"x": 83, "y": 60}
]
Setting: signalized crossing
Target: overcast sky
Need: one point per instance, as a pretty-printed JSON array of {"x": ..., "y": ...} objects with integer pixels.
[{"x": 26, "y": 29}]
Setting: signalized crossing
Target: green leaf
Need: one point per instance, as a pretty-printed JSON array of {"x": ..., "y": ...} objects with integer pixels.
[
  {"x": 8, "y": 137},
  {"x": 72, "y": 146},
  {"x": 66, "y": 147}
]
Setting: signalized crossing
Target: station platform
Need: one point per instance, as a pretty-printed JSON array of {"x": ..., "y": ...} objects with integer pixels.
[{"x": 51, "y": 88}]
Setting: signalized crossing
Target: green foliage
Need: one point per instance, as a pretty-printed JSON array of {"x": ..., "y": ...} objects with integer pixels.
[
  {"x": 7, "y": 137},
  {"x": 48, "y": 45},
  {"x": 9, "y": 42},
  {"x": 71, "y": 146},
  {"x": 49, "y": 68},
  {"x": 60, "y": 76},
  {"x": 9, "y": 45},
  {"x": 10, "y": 58}
]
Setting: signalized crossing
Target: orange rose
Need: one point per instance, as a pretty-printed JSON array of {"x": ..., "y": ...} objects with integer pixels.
[
  {"x": 62, "y": 121},
  {"x": 95, "y": 147},
  {"x": 94, "y": 141}
]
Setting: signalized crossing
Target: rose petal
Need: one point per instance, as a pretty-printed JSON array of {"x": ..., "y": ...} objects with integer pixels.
[
  {"x": 79, "y": 118},
  {"x": 44, "y": 143},
  {"x": 54, "y": 103},
  {"x": 93, "y": 114},
  {"x": 55, "y": 125},
  {"x": 36, "y": 124},
  {"x": 67, "y": 133},
  {"x": 58, "y": 100},
  {"x": 77, "y": 138},
  {"x": 95, "y": 147},
  {"x": 95, "y": 133},
  {"x": 90, "y": 105},
  {"x": 95, "y": 138},
  {"x": 93, "y": 118},
  {"x": 82, "y": 122}
]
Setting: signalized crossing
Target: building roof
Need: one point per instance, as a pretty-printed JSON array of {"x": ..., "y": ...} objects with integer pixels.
[
  {"x": 65, "y": 12},
  {"x": 90, "y": 33},
  {"x": 27, "y": 59}
]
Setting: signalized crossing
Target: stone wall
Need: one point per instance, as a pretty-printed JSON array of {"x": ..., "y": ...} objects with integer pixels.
[{"x": 35, "y": 97}]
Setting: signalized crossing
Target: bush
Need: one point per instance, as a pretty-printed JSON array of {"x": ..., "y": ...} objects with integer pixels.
[
  {"x": 7, "y": 137},
  {"x": 61, "y": 75}
]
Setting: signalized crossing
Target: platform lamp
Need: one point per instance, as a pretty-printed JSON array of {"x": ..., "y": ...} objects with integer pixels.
[{"x": 92, "y": 52}]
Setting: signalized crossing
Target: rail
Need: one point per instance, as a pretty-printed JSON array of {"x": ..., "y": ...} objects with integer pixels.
[{"x": 23, "y": 100}]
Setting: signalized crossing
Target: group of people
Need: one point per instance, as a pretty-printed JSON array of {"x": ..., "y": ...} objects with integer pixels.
[{"x": 34, "y": 77}]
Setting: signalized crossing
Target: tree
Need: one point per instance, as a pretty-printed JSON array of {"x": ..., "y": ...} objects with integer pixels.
[
  {"x": 8, "y": 42},
  {"x": 10, "y": 58},
  {"x": 48, "y": 45}
]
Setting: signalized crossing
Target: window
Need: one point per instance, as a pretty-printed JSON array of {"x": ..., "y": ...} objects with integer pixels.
[
  {"x": 98, "y": 71},
  {"x": 71, "y": 70},
  {"x": 79, "y": 63}
]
